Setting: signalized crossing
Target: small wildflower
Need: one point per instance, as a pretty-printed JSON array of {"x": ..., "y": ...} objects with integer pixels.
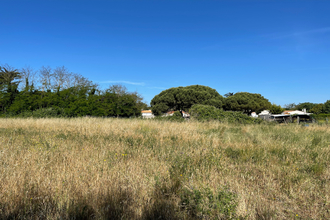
[
  {"x": 105, "y": 160},
  {"x": 180, "y": 174},
  {"x": 297, "y": 215}
]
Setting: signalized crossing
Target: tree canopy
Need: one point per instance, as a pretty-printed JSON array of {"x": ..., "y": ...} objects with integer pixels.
[
  {"x": 326, "y": 107},
  {"x": 307, "y": 105},
  {"x": 182, "y": 98},
  {"x": 276, "y": 109},
  {"x": 246, "y": 102},
  {"x": 61, "y": 92},
  {"x": 317, "y": 109}
]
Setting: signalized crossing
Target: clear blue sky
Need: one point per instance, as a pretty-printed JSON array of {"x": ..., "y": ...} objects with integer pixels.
[{"x": 280, "y": 49}]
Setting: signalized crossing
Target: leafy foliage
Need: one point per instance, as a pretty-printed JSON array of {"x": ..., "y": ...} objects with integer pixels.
[
  {"x": 326, "y": 107},
  {"x": 246, "y": 102},
  {"x": 317, "y": 109},
  {"x": 202, "y": 203},
  {"x": 9, "y": 80},
  {"x": 307, "y": 105},
  {"x": 290, "y": 106},
  {"x": 61, "y": 93},
  {"x": 175, "y": 117},
  {"x": 207, "y": 113},
  {"x": 182, "y": 98},
  {"x": 74, "y": 101},
  {"x": 276, "y": 109}
]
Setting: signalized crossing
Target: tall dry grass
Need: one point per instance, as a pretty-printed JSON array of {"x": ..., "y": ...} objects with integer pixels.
[{"x": 133, "y": 169}]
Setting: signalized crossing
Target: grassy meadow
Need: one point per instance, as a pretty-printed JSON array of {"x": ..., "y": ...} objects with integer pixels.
[{"x": 92, "y": 168}]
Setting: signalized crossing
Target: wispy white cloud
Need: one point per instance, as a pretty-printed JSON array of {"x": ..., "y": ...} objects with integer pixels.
[
  {"x": 298, "y": 34},
  {"x": 124, "y": 82}
]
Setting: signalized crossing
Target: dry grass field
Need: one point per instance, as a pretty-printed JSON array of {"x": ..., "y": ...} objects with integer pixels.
[{"x": 91, "y": 168}]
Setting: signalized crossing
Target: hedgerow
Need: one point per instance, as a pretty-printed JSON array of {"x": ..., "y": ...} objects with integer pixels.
[{"x": 207, "y": 113}]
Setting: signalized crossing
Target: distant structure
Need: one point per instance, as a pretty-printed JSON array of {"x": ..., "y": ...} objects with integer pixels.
[
  {"x": 287, "y": 116},
  {"x": 147, "y": 114},
  {"x": 265, "y": 114},
  {"x": 183, "y": 113},
  {"x": 295, "y": 112},
  {"x": 254, "y": 115},
  {"x": 169, "y": 113}
]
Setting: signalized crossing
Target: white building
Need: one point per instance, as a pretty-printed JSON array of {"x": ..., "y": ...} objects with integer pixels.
[
  {"x": 254, "y": 115},
  {"x": 184, "y": 114},
  {"x": 265, "y": 114},
  {"x": 147, "y": 114},
  {"x": 296, "y": 112}
]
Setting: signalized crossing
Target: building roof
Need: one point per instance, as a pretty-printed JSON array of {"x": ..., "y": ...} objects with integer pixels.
[
  {"x": 265, "y": 112},
  {"x": 294, "y": 112},
  {"x": 146, "y": 111},
  {"x": 170, "y": 112}
]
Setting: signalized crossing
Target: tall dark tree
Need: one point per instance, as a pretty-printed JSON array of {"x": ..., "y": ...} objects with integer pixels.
[
  {"x": 247, "y": 102},
  {"x": 9, "y": 80},
  {"x": 182, "y": 98},
  {"x": 9, "y": 76}
]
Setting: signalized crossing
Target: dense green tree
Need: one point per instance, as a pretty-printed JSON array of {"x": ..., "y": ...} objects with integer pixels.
[
  {"x": 9, "y": 80},
  {"x": 326, "y": 107},
  {"x": 9, "y": 76},
  {"x": 317, "y": 109},
  {"x": 182, "y": 98},
  {"x": 276, "y": 109},
  {"x": 63, "y": 92},
  {"x": 247, "y": 102},
  {"x": 207, "y": 113},
  {"x": 307, "y": 105},
  {"x": 290, "y": 106}
]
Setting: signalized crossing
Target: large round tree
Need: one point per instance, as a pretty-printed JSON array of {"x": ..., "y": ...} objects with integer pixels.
[
  {"x": 247, "y": 102},
  {"x": 182, "y": 98}
]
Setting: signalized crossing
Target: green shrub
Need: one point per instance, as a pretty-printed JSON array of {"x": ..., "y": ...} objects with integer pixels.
[
  {"x": 207, "y": 113},
  {"x": 175, "y": 117},
  {"x": 204, "y": 112},
  {"x": 44, "y": 113},
  {"x": 205, "y": 203},
  {"x": 321, "y": 116}
]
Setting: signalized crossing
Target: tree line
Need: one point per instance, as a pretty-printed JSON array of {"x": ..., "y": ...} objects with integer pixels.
[
  {"x": 183, "y": 98},
  {"x": 63, "y": 93},
  {"x": 59, "y": 92}
]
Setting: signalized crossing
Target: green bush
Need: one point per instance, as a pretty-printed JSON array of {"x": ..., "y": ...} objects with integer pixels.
[
  {"x": 204, "y": 112},
  {"x": 205, "y": 203},
  {"x": 43, "y": 113},
  {"x": 175, "y": 117},
  {"x": 321, "y": 116},
  {"x": 207, "y": 113}
]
